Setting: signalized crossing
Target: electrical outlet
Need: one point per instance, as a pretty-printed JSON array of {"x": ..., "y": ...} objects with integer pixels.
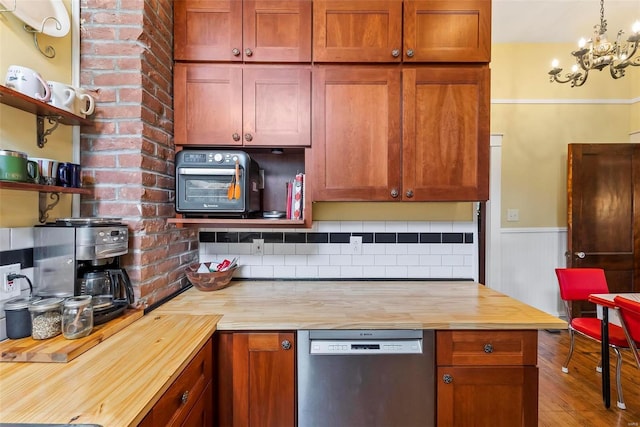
[
  {"x": 513, "y": 214},
  {"x": 9, "y": 288},
  {"x": 355, "y": 243},
  {"x": 257, "y": 247}
]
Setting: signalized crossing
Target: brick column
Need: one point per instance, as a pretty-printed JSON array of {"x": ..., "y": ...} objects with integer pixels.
[{"x": 128, "y": 155}]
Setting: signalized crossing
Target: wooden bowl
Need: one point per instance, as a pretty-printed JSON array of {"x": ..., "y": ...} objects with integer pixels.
[{"x": 212, "y": 281}]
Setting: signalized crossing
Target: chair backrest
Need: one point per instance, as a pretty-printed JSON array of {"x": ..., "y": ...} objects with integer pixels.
[
  {"x": 579, "y": 283},
  {"x": 630, "y": 312}
]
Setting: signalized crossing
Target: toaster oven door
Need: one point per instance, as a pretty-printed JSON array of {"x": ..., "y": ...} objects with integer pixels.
[{"x": 205, "y": 191}]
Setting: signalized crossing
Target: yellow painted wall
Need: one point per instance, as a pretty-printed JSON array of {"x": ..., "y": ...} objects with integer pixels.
[
  {"x": 18, "y": 128},
  {"x": 538, "y": 119}
]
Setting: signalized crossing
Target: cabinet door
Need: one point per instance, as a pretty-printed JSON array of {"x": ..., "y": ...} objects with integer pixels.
[
  {"x": 207, "y": 30},
  {"x": 356, "y": 134},
  {"x": 277, "y": 106},
  {"x": 278, "y": 31},
  {"x": 447, "y": 31},
  {"x": 446, "y": 133},
  {"x": 487, "y": 396},
  {"x": 264, "y": 369},
  {"x": 357, "y": 31},
  {"x": 207, "y": 104}
]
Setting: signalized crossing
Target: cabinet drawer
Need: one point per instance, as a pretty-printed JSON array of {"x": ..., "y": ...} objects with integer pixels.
[
  {"x": 487, "y": 347},
  {"x": 176, "y": 403}
]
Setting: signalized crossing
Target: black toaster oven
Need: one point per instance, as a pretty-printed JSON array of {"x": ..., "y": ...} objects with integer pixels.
[{"x": 206, "y": 184}]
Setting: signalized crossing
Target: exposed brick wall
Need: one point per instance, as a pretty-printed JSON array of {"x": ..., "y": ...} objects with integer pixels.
[{"x": 128, "y": 156}]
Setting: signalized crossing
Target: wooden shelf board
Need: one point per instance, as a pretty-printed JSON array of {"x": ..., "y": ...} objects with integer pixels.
[
  {"x": 25, "y": 186},
  {"x": 240, "y": 222},
  {"x": 26, "y": 103}
]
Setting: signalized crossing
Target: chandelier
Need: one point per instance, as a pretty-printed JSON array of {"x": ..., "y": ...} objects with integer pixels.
[{"x": 598, "y": 53}]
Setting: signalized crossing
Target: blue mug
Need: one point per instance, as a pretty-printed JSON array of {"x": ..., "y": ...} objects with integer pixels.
[{"x": 69, "y": 175}]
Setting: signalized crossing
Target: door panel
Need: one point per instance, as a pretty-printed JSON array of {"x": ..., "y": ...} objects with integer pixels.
[
  {"x": 603, "y": 205},
  {"x": 207, "y": 30},
  {"x": 357, "y": 31},
  {"x": 356, "y": 131},
  {"x": 208, "y": 104},
  {"x": 278, "y": 31},
  {"x": 446, "y": 133}
]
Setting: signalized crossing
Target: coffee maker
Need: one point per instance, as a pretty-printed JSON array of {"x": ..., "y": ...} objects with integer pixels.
[{"x": 81, "y": 256}]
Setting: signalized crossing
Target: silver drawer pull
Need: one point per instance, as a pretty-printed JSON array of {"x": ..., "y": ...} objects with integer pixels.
[
  {"x": 488, "y": 348},
  {"x": 184, "y": 397},
  {"x": 447, "y": 379},
  {"x": 286, "y": 345}
]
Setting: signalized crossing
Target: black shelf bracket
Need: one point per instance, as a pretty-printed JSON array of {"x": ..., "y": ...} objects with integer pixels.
[
  {"x": 54, "y": 121},
  {"x": 44, "y": 208}
]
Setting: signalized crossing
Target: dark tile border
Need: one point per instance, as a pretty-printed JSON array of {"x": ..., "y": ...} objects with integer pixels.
[
  {"x": 24, "y": 257},
  {"x": 339, "y": 237}
]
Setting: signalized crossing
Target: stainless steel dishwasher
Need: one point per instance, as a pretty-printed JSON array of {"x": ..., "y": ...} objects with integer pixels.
[{"x": 353, "y": 378}]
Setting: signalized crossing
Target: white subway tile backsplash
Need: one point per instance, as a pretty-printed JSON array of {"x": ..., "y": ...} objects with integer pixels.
[
  {"x": 5, "y": 239},
  {"x": 22, "y": 238},
  {"x": 411, "y": 249}
]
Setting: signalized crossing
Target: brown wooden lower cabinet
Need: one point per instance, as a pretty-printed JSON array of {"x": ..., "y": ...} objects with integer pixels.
[
  {"x": 189, "y": 400},
  {"x": 255, "y": 379},
  {"x": 483, "y": 378},
  {"x": 487, "y": 378}
]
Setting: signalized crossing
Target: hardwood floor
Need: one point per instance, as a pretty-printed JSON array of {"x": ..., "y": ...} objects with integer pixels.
[{"x": 575, "y": 399}]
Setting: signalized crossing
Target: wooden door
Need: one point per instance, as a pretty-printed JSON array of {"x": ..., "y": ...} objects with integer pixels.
[
  {"x": 277, "y": 106},
  {"x": 207, "y": 30},
  {"x": 445, "y": 122},
  {"x": 501, "y": 396},
  {"x": 207, "y": 104},
  {"x": 447, "y": 31},
  {"x": 356, "y": 134},
  {"x": 603, "y": 207},
  {"x": 357, "y": 30},
  {"x": 278, "y": 31},
  {"x": 264, "y": 378}
]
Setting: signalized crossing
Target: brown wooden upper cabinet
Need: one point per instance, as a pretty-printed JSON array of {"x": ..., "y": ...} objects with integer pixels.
[
  {"x": 236, "y": 105},
  {"x": 372, "y": 31},
  {"x": 420, "y": 134},
  {"x": 242, "y": 30}
]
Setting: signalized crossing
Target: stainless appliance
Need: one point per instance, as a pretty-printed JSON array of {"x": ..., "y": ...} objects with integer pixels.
[
  {"x": 366, "y": 378},
  {"x": 81, "y": 256},
  {"x": 203, "y": 178}
]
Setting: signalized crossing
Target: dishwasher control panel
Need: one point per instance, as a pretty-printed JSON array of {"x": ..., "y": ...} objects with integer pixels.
[{"x": 413, "y": 346}]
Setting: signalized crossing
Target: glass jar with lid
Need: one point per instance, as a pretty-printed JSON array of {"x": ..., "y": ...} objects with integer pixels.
[
  {"x": 17, "y": 317},
  {"x": 77, "y": 317},
  {"x": 46, "y": 318}
]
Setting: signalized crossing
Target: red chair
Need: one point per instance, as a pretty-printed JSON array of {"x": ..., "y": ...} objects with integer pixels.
[
  {"x": 576, "y": 284},
  {"x": 629, "y": 311}
]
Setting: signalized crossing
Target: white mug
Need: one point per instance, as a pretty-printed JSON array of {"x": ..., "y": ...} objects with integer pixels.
[
  {"x": 62, "y": 95},
  {"x": 48, "y": 169},
  {"x": 27, "y": 81},
  {"x": 85, "y": 104}
]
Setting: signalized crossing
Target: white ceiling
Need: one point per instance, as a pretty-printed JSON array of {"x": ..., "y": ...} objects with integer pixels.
[{"x": 543, "y": 21}]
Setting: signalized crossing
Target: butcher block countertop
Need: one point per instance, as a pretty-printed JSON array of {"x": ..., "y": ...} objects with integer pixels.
[
  {"x": 118, "y": 381},
  {"x": 291, "y": 305},
  {"x": 113, "y": 384}
]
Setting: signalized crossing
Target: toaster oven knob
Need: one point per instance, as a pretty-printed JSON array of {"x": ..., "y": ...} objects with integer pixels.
[
  {"x": 236, "y": 137},
  {"x": 217, "y": 158},
  {"x": 248, "y": 137}
]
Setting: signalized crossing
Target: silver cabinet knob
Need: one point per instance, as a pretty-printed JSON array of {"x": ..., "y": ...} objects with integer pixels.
[
  {"x": 395, "y": 53},
  {"x": 236, "y": 137},
  {"x": 248, "y": 52},
  {"x": 409, "y": 194},
  {"x": 410, "y": 53},
  {"x": 248, "y": 137},
  {"x": 488, "y": 348},
  {"x": 235, "y": 51},
  {"x": 580, "y": 255},
  {"x": 447, "y": 379},
  {"x": 184, "y": 397},
  {"x": 286, "y": 344},
  {"x": 395, "y": 193}
]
